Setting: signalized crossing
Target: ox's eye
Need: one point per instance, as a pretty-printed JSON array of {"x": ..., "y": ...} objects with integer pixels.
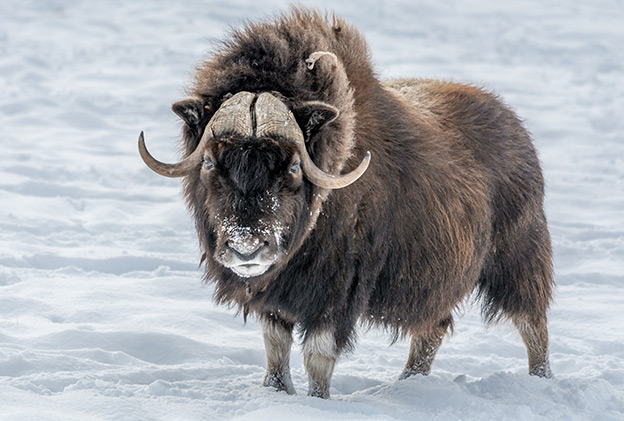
[
  {"x": 208, "y": 165},
  {"x": 295, "y": 167}
]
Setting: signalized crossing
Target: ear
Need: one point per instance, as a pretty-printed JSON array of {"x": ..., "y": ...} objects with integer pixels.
[
  {"x": 190, "y": 110},
  {"x": 312, "y": 116}
]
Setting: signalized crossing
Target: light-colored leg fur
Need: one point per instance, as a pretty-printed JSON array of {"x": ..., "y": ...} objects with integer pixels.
[
  {"x": 319, "y": 356},
  {"x": 277, "y": 343},
  {"x": 423, "y": 348},
  {"x": 534, "y": 333}
]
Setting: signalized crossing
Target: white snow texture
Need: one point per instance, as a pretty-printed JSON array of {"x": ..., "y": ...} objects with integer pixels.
[{"x": 103, "y": 315}]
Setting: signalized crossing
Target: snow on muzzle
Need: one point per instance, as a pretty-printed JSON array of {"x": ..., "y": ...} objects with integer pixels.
[{"x": 246, "y": 251}]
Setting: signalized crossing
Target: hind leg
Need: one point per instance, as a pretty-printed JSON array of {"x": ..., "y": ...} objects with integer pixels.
[
  {"x": 528, "y": 315},
  {"x": 534, "y": 333},
  {"x": 423, "y": 348},
  {"x": 517, "y": 284}
]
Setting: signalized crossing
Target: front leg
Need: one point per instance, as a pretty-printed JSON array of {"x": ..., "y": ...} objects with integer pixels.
[
  {"x": 277, "y": 343},
  {"x": 319, "y": 355}
]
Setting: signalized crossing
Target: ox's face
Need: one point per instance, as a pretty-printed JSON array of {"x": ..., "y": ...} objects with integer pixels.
[
  {"x": 253, "y": 176},
  {"x": 255, "y": 198}
]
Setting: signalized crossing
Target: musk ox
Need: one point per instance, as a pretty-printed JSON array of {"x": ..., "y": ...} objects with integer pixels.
[{"x": 304, "y": 227}]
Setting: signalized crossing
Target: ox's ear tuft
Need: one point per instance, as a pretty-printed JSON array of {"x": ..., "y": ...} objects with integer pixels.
[
  {"x": 313, "y": 115},
  {"x": 190, "y": 110}
]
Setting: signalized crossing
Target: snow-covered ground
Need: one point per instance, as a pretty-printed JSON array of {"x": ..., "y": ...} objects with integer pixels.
[{"x": 102, "y": 312}]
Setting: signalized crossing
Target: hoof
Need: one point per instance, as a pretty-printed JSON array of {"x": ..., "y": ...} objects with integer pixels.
[
  {"x": 318, "y": 393},
  {"x": 281, "y": 383},
  {"x": 542, "y": 371},
  {"x": 412, "y": 371}
]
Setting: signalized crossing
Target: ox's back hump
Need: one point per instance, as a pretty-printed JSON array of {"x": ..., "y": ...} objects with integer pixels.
[{"x": 478, "y": 123}]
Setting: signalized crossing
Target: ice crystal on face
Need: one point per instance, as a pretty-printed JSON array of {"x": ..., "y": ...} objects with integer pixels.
[
  {"x": 246, "y": 239},
  {"x": 240, "y": 238}
]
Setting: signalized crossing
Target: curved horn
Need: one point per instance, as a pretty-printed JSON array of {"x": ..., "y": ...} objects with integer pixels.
[
  {"x": 273, "y": 117},
  {"x": 315, "y": 56},
  {"x": 233, "y": 117},
  {"x": 179, "y": 169}
]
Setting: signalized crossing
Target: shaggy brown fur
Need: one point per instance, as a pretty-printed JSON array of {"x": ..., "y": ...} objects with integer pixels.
[{"x": 452, "y": 200}]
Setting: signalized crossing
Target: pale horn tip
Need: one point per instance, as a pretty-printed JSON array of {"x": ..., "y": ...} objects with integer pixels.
[{"x": 361, "y": 169}]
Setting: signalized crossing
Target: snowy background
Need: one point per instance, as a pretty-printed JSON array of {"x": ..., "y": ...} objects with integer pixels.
[{"x": 102, "y": 312}]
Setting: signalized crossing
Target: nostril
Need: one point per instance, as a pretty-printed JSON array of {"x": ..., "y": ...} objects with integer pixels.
[{"x": 247, "y": 255}]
